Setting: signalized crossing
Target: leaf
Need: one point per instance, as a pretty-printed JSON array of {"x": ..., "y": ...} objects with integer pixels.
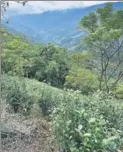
[
  {"x": 68, "y": 122},
  {"x": 80, "y": 127},
  {"x": 87, "y": 134},
  {"x": 92, "y": 120},
  {"x": 108, "y": 140},
  {"x": 113, "y": 146}
]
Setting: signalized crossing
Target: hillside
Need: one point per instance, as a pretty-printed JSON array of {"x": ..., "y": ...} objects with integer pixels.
[
  {"x": 35, "y": 132},
  {"x": 32, "y": 133},
  {"x": 53, "y": 26},
  {"x": 59, "y": 101}
]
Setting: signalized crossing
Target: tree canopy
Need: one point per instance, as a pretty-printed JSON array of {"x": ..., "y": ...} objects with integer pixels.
[{"x": 105, "y": 40}]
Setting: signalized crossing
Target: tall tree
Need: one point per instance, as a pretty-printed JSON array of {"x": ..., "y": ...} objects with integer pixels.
[{"x": 105, "y": 40}]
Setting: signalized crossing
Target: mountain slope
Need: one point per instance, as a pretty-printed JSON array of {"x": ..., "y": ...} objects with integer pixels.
[{"x": 54, "y": 26}]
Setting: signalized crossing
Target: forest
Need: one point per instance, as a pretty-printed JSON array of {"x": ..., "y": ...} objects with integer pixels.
[{"x": 79, "y": 93}]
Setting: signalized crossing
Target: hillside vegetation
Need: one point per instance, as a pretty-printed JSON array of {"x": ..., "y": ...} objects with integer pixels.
[{"x": 78, "y": 94}]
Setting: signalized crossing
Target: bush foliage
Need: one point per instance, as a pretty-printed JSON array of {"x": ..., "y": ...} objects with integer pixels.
[
  {"x": 22, "y": 93},
  {"x": 119, "y": 91},
  {"x": 91, "y": 123},
  {"x": 82, "y": 125},
  {"x": 82, "y": 79}
]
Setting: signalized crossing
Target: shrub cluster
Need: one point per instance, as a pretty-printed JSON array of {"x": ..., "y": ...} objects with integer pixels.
[
  {"x": 22, "y": 95},
  {"x": 86, "y": 125},
  {"x": 18, "y": 96},
  {"x": 119, "y": 91}
]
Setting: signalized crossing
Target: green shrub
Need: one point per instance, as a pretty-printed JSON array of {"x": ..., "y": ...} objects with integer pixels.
[
  {"x": 88, "y": 125},
  {"x": 119, "y": 91},
  {"x": 18, "y": 96},
  {"x": 49, "y": 99},
  {"x": 45, "y": 102},
  {"x": 22, "y": 92}
]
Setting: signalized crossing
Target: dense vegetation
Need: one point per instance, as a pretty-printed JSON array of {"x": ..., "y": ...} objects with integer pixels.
[{"x": 81, "y": 91}]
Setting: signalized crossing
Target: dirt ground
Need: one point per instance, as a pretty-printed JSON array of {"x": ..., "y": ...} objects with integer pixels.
[{"x": 26, "y": 135}]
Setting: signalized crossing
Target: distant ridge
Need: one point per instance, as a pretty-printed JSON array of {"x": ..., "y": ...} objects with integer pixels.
[{"x": 58, "y": 27}]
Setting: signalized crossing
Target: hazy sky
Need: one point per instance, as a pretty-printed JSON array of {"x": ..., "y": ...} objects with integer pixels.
[{"x": 42, "y": 6}]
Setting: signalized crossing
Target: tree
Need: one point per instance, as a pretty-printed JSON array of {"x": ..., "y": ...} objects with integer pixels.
[
  {"x": 49, "y": 65},
  {"x": 105, "y": 40},
  {"x": 81, "y": 76},
  {"x": 80, "y": 60},
  {"x": 15, "y": 53},
  {"x": 82, "y": 79}
]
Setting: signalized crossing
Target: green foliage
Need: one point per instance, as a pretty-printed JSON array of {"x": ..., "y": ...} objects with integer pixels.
[
  {"x": 119, "y": 91},
  {"x": 46, "y": 63},
  {"x": 82, "y": 79},
  {"x": 104, "y": 40},
  {"x": 14, "y": 54},
  {"x": 18, "y": 96},
  {"x": 80, "y": 74},
  {"x": 80, "y": 60},
  {"x": 22, "y": 94},
  {"x": 84, "y": 125},
  {"x": 49, "y": 65},
  {"x": 89, "y": 22},
  {"x": 46, "y": 103},
  {"x": 92, "y": 123}
]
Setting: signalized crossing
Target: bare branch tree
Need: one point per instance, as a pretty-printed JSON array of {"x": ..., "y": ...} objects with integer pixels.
[{"x": 6, "y": 4}]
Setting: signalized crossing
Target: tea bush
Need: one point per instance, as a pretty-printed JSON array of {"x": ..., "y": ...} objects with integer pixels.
[
  {"x": 88, "y": 125},
  {"x": 22, "y": 93},
  {"x": 46, "y": 102},
  {"x": 18, "y": 97}
]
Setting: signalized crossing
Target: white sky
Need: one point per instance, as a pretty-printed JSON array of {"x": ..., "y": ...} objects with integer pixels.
[{"x": 42, "y": 6}]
